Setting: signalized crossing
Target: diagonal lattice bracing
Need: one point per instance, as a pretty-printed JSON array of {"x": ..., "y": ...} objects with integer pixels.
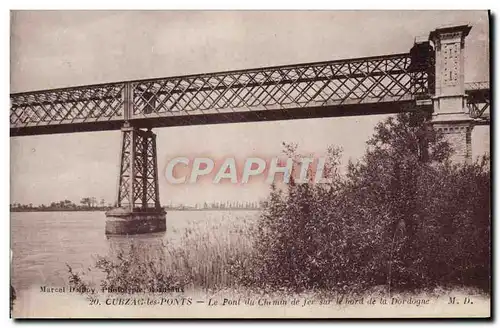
[
  {"x": 478, "y": 99},
  {"x": 137, "y": 187},
  {"x": 370, "y": 80},
  {"x": 357, "y": 81},
  {"x": 67, "y": 106}
]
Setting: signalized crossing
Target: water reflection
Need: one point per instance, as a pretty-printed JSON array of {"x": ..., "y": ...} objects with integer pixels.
[
  {"x": 147, "y": 246},
  {"x": 43, "y": 243}
]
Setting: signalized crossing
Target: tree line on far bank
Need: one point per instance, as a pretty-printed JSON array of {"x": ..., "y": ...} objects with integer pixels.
[{"x": 86, "y": 204}]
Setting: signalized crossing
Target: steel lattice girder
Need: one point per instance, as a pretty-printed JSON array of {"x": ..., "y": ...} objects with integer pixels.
[
  {"x": 137, "y": 186},
  {"x": 369, "y": 80},
  {"x": 67, "y": 106},
  {"x": 478, "y": 99},
  {"x": 375, "y": 79}
]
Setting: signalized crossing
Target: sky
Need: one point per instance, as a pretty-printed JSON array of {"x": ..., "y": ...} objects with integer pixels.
[{"x": 51, "y": 49}]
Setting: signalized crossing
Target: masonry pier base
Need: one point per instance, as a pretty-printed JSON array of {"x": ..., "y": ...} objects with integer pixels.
[{"x": 120, "y": 221}]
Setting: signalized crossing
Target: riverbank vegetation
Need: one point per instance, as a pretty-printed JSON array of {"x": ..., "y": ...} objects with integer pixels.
[{"x": 402, "y": 218}]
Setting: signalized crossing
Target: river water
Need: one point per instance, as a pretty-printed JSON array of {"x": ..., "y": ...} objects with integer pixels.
[{"x": 42, "y": 243}]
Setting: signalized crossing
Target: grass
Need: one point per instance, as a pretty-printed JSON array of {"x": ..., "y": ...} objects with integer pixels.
[
  {"x": 206, "y": 251},
  {"x": 205, "y": 256},
  {"x": 198, "y": 255}
]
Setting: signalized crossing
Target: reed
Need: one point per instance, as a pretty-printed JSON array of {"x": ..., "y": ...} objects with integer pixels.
[{"x": 201, "y": 255}]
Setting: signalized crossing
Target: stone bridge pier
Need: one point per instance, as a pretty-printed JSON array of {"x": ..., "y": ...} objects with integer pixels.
[{"x": 450, "y": 107}]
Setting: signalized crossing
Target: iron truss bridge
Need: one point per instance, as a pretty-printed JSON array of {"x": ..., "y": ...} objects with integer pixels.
[
  {"x": 361, "y": 86},
  {"x": 478, "y": 101}
]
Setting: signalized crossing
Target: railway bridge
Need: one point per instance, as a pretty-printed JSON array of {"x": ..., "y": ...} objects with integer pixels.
[{"x": 430, "y": 76}]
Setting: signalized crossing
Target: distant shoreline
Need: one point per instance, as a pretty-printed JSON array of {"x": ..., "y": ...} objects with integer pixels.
[
  {"x": 12, "y": 210},
  {"x": 98, "y": 209}
]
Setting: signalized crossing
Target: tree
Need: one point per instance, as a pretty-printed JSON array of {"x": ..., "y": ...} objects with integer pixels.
[
  {"x": 67, "y": 203},
  {"x": 401, "y": 217},
  {"x": 86, "y": 201}
]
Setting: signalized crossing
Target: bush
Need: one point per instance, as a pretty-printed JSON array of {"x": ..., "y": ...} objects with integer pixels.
[{"x": 404, "y": 216}]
